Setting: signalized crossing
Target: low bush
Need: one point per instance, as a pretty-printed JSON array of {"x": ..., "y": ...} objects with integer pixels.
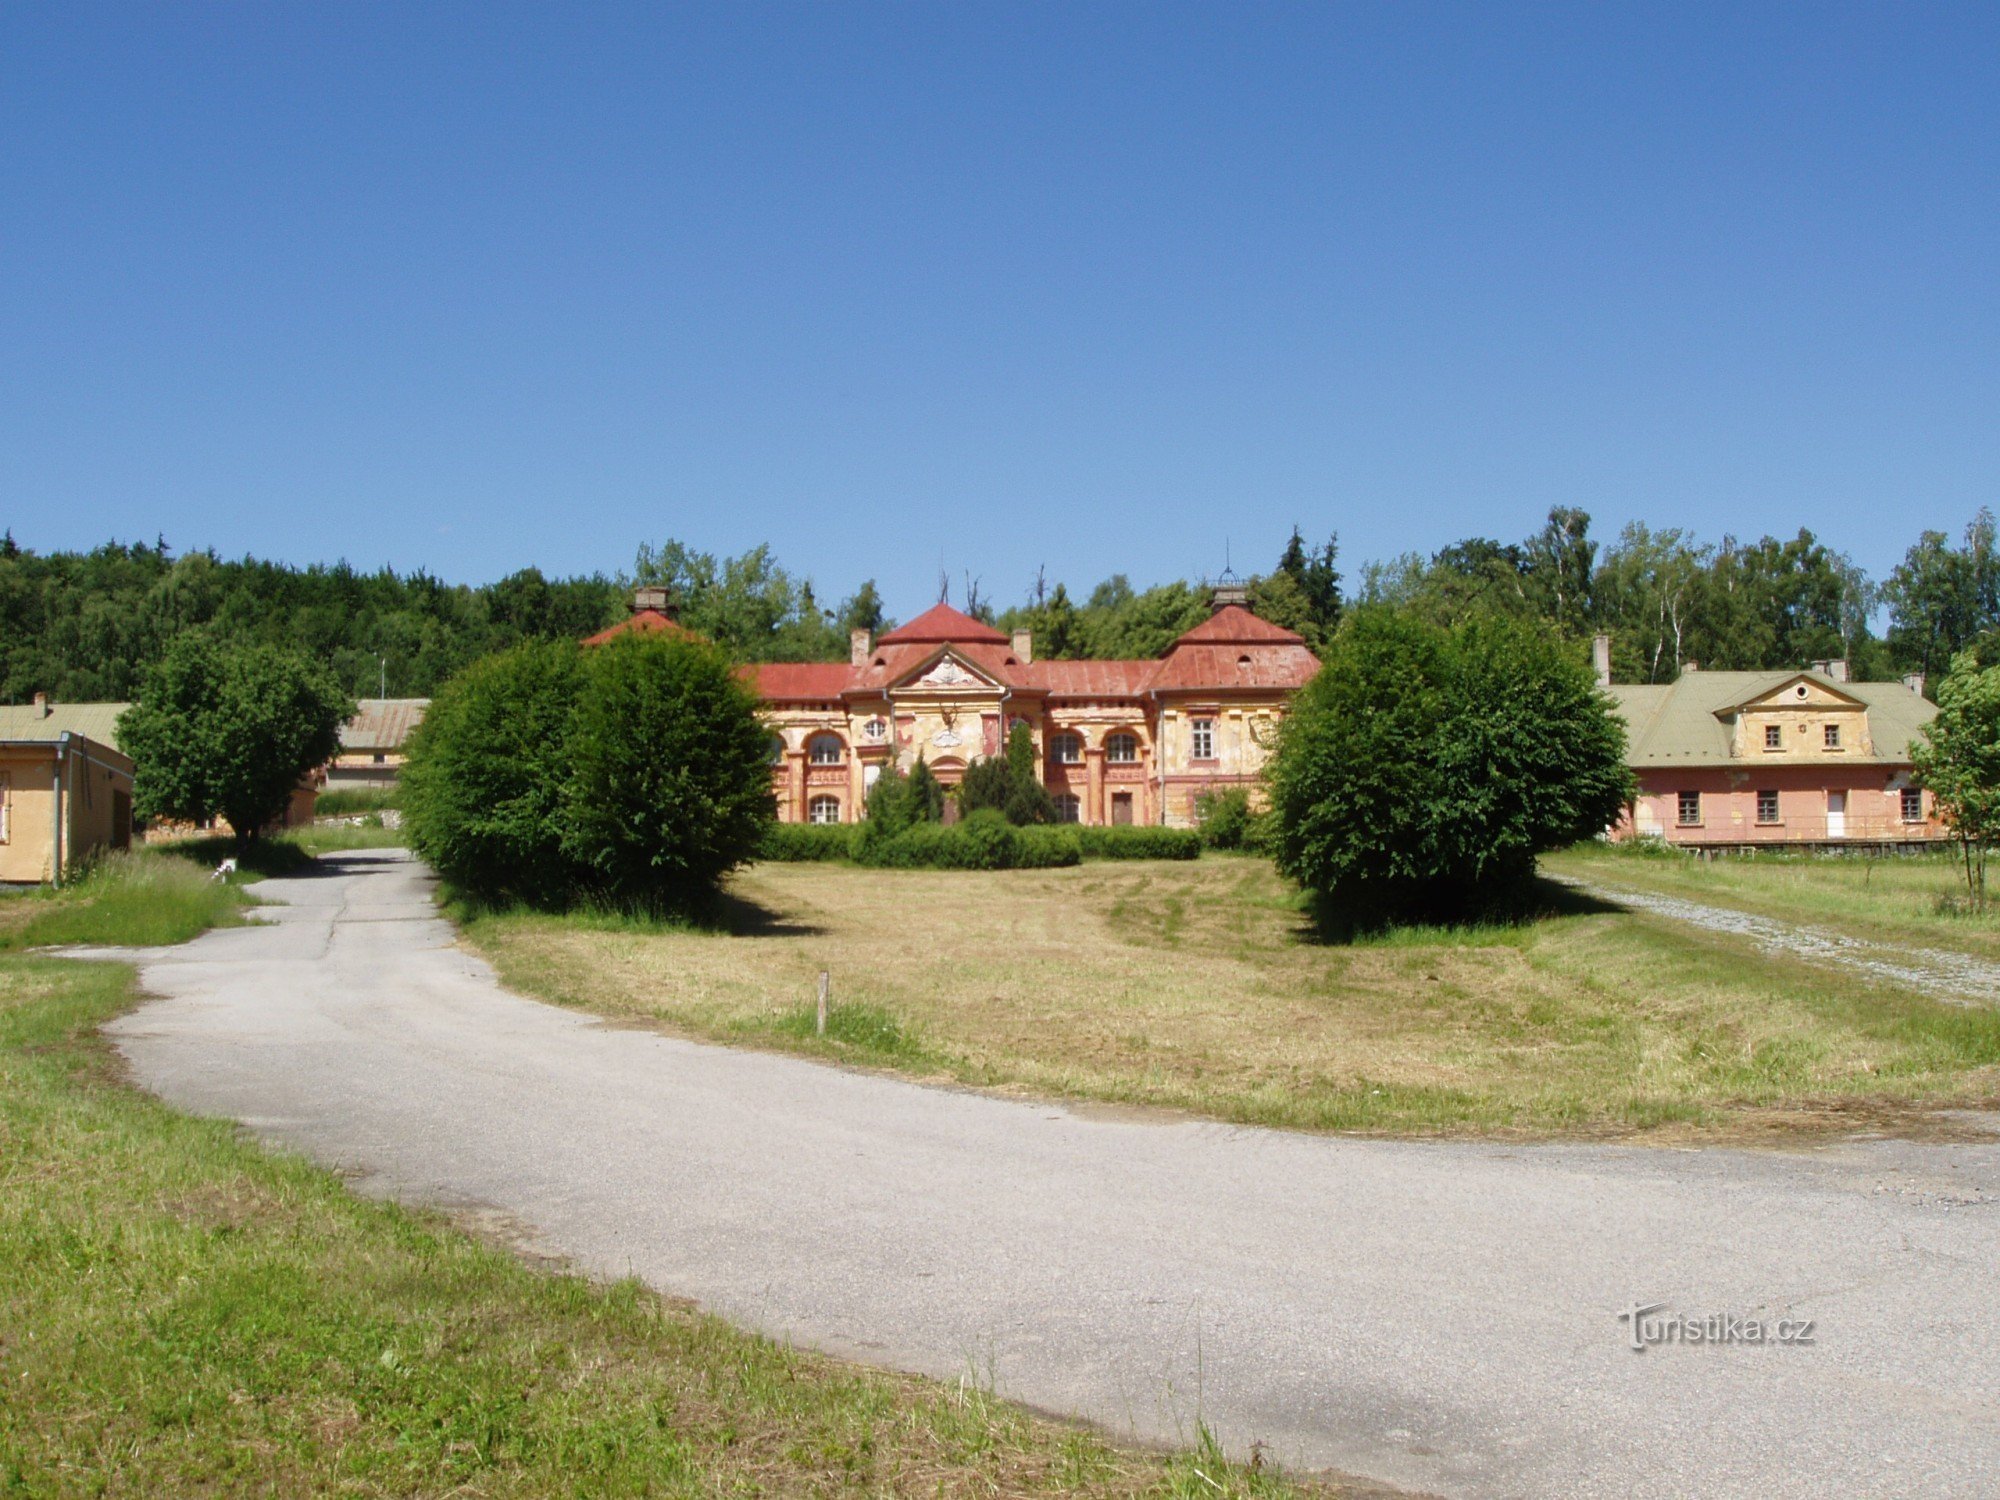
[
  {"x": 809, "y": 843},
  {"x": 1139, "y": 842},
  {"x": 1047, "y": 847},
  {"x": 1223, "y": 816}
]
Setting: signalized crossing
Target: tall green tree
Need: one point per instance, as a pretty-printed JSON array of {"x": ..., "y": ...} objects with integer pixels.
[
  {"x": 1942, "y": 598},
  {"x": 230, "y": 731},
  {"x": 1958, "y": 760}
]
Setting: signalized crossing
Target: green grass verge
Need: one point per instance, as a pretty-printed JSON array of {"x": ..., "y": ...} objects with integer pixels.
[
  {"x": 139, "y": 899},
  {"x": 345, "y": 802},
  {"x": 183, "y": 1313},
  {"x": 1915, "y": 900}
]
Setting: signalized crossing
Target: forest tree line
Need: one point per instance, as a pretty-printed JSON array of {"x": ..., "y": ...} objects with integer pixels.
[{"x": 84, "y": 626}]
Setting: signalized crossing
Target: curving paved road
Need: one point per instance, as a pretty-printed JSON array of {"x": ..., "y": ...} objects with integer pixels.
[{"x": 1436, "y": 1316}]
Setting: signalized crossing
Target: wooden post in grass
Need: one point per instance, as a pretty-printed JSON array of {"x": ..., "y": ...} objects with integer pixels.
[{"x": 823, "y": 981}]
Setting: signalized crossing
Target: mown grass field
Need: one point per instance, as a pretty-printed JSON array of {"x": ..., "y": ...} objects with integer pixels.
[
  {"x": 182, "y": 1313},
  {"x": 1918, "y": 900},
  {"x": 1200, "y": 986}
]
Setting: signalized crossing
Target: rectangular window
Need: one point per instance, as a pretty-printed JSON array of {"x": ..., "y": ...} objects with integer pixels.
[
  {"x": 1690, "y": 809},
  {"x": 1774, "y": 737},
  {"x": 6, "y": 808},
  {"x": 1204, "y": 739},
  {"x": 1767, "y": 807},
  {"x": 1913, "y": 805},
  {"x": 1833, "y": 736}
]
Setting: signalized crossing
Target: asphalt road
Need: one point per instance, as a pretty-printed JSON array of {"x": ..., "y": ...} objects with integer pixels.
[{"x": 1442, "y": 1317}]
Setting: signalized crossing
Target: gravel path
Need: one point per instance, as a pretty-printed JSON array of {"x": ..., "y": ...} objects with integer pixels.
[
  {"x": 1444, "y": 1317},
  {"x": 1943, "y": 975}
]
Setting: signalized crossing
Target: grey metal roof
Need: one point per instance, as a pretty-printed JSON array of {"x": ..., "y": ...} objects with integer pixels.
[
  {"x": 382, "y": 723},
  {"x": 1684, "y": 723},
  {"x": 95, "y": 721}
]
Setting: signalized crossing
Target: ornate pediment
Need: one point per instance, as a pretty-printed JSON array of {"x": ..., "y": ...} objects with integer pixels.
[{"x": 948, "y": 671}]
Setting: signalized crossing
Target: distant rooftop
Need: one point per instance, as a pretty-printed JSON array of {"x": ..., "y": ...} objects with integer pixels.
[
  {"x": 94, "y": 721},
  {"x": 382, "y": 723}
]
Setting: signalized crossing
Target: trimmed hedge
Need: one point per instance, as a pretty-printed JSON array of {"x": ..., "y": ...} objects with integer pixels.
[
  {"x": 807, "y": 843},
  {"x": 1139, "y": 842},
  {"x": 983, "y": 841}
]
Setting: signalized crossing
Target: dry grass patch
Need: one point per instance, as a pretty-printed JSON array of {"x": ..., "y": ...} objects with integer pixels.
[{"x": 1199, "y": 986}]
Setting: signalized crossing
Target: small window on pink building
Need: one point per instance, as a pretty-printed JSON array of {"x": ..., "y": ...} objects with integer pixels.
[
  {"x": 1833, "y": 736},
  {"x": 1688, "y": 805},
  {"x": 1767, "y": 807},
  {"x": 1913, "y": 805},
  {"x": 1774, "y": 737}
]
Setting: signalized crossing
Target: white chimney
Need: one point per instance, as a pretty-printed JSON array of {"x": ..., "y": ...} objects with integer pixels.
[
  {"x": 857, "y": 647},
  {"x": 1024, "y": 646},
  {"x": 1915, "y": 683},
  {"x": 42, "y": 709},
  {"x": 1600, "y": 658},
  {"x": 1837, "y": 669}
]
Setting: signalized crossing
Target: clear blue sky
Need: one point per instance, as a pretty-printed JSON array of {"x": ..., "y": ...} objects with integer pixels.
[{"x": 1090, "y": 286}]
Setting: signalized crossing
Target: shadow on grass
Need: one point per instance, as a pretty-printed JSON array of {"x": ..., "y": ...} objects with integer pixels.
[
  {"x": 741, "y": 917},
  {"x": 1500, "y": 917},
  {"x": 265, "y": 857},
  {"x": 719, "y": 914}
]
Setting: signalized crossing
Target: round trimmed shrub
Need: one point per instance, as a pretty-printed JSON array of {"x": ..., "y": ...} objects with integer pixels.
[
  {"x": 1424, "y": 768},
  {"x": 482, "y": 788},
  {"x": 634, "y": 774},
  {"x": 669, "y": 787}
]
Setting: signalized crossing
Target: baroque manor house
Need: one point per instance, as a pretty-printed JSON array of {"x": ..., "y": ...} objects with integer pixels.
[
  {"x": 1115, "y": 741},
  {"x": 1721, "y": 759}
]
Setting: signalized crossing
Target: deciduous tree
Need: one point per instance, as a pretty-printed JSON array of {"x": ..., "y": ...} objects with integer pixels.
[{"x": 230, "y": 730}]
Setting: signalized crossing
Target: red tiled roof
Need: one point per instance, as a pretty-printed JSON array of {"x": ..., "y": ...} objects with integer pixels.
[
  {"x": 647, "y": 621},
  {"x": 942, "y": 623},
  {"x": 1232, "y": 649},
  {"x": 1232, "y": 624},
  {"x": 799, "y": 681},
  {"x": 1088, "y": 679},
  {"x": 1243, "y": 665}
]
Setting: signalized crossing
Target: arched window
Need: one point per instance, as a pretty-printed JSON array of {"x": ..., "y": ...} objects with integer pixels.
[
  {"x": 826, "y": 750},
  {"x": 1121, "y": 748},
  {"x": 1066, "y": 749},
  {"x": 777, "y": 748},
  {"x": 1069, "y": 809},
  {"x": 823, "y": 810}
]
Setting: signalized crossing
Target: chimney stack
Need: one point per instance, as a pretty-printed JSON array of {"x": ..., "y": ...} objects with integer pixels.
[
  {"x": 1915, "y": 683},
  {"x": 1600, "y": 658},
  {"x": 1024, "y": 646},
  {"x": 858, "y": 646},
  {"x": 1837, "y": 669},
  {"x": 42, "y": 705}
]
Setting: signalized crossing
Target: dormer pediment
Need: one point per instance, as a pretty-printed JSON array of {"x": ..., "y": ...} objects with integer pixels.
[
  {"x": 1801, "y": 690},
  {"x": 946, "y": 670}
]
